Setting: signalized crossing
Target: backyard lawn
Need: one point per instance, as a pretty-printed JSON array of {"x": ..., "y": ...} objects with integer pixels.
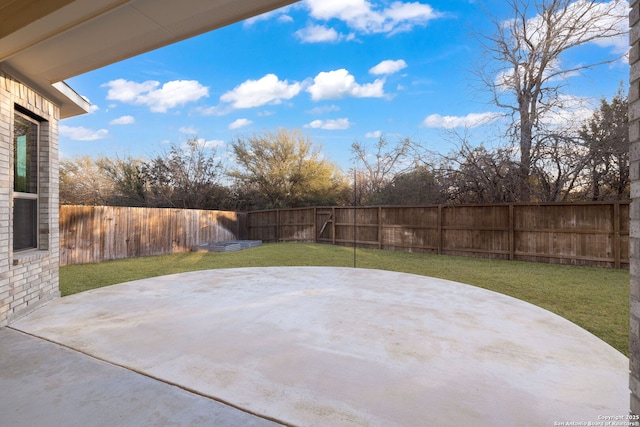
[{"x": 596, "y": 299}]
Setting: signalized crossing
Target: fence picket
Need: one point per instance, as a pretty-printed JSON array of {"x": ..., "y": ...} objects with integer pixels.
[
  {"x": 101, "y": 233},
  {"x": 594, "y": 234}
]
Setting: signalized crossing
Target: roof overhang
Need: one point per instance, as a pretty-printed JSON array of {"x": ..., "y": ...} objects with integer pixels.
[
  {"x": 60, "y": 93},
  {"x": 43, "y": 42}
]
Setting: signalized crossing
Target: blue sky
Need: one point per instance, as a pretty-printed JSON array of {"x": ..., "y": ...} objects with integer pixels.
[{"x": 340, "y": 70}]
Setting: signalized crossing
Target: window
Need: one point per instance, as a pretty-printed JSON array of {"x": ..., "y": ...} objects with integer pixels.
[{"x": 25, "y": 183}]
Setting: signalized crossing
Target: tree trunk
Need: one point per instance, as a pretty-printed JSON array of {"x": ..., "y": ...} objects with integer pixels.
[
  {"x": 526, "y": 137},
  {"x": 595, "y": 178}
]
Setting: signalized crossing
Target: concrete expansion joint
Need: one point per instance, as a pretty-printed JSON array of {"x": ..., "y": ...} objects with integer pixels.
[
  {"x": 333, "y": 346},
  {"x": 147, "y": 375}
]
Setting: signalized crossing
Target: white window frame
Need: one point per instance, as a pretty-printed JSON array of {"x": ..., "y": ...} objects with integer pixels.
[{"x": 27, "y": 196}]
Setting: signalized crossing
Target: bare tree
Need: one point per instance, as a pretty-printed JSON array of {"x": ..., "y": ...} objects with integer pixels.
[
  {"x": 380, "y": 165},
  {"x": 186, "y": 176},
  {"x": 524, "y": 60},
  {"x": 478, "y": 175},
  {"x": 422, "y": 185},
  {"x": 84, "y": 182},
  {"x": 127, "y": 177},
  {"x": 557, "y": 167}
]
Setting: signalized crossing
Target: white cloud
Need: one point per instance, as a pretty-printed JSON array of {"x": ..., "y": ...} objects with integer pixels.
[
  {"x": 285, "y": 18},
  {"x": 617, "y": 19},
  {"x": 158, "y": 99},
  {"x": 361, "y": 16},
  {"x": 124, "y": 120},
  {"x": 216, "y": 110},
  {"x": 571, "y": 111},
  {"x": 553, "y": 72},
  {"x": 82, "y": 134},
  {"x": 188, "y": 130},
  {"x": 605, "y": 24},
  {"x": 127, "y": 91},
  {"x": 93, "y": 108},
  {"x": 201, "y": 142},
  {"x": 212, "y": 143},
  {"x": 174, "y": 93},
  {"x": 375, "y": 134},
  {"x": 471, "y": 120},
  {"x": 240, "y": 123},
  {"x": 388, "y": 67},
  {"x": 318, "y": 34},
  {"x": 281, "y": 13},
  {"x": 323, "y": 109},
  {"x": 342, "y": 9},
  {"x": 339, "y": 83},
  {"x": 255, "y": 93},
  {"x": 336, "y": 124}
]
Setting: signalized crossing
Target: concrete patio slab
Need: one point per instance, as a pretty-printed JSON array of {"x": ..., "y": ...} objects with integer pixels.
[
  {"x": 313, "y": 346},
  {"x": 43, "y": 384}
]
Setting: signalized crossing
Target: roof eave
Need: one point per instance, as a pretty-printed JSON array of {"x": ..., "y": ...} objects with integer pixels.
[{"x": 61, "y": 94}]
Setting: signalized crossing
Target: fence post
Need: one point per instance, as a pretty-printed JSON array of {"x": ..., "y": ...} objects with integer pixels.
[
  {"x": 243, "y": 226},
  {"x": 379, "y": 227},
  {"x": 315, "y": 225},
  {"x": 333, "y": 225},
  {"x": 617, "y": 250},
  {"x": 125, "y": 232},
  {"x": 439, "y": 231},
  {"x": 512, "y": 232}
]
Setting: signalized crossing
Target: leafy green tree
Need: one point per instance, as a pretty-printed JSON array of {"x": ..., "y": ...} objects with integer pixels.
[
  {"x": 284, "y": 169},
  {"x": 606, "y": 137}
]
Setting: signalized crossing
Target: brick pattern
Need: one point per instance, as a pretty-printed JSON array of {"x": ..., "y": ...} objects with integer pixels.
[
  {"x": 634, "y": 241},
  {"x": 28, "y": 279}
]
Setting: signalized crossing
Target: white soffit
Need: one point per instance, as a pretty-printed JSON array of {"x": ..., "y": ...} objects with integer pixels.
[{"x": 88, "y": 34}]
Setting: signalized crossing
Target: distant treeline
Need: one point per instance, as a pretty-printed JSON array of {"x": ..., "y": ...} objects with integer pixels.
[{"x": 286, "y": 169}]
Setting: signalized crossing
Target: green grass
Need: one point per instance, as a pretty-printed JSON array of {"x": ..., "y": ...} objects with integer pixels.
[{"x": 597, "y": 299}]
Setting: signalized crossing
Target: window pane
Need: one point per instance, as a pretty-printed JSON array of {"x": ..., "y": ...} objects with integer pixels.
[
  {"x": 25, "y": 155},
  {"x": 25, "y": 223}
]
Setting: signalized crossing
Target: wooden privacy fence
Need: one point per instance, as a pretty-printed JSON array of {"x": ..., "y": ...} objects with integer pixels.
[
  {"x": 100, "y": 233},
  {"x": 593, "y": 234}
]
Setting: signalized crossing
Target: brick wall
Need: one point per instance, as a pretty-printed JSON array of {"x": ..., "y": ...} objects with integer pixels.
[
  {"x": 634, "y": 137},
  {"x": 28, "y": 279}
]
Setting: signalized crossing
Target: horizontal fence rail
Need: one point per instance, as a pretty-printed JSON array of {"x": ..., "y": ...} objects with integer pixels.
[
  {"x": 101, "y": 233},
  {"x": 590, "y": 234}
]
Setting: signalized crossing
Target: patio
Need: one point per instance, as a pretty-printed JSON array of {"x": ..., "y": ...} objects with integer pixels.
[{"x": 304, "y": 346}]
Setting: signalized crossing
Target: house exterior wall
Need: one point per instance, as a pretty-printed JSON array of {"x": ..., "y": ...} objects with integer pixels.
[
  {"x": 28, "y": 279},
  {"x": 634, "y": 171}
]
